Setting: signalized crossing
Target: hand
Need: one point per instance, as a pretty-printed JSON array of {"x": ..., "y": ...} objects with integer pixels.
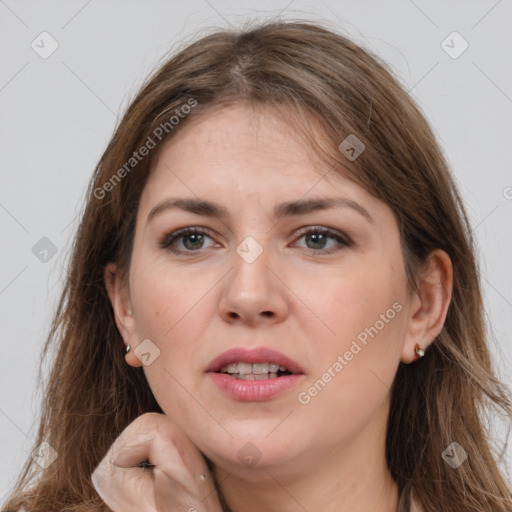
[{"x": 173, "y": 484}]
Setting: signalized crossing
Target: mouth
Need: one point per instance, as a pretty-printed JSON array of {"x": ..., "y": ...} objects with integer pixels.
[
  {"x": 254, "y": 364},
  {"x": 254, "y": 375}
]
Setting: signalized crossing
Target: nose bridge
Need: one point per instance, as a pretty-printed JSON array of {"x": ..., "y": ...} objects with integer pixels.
[{"x": 252, "y": 292}]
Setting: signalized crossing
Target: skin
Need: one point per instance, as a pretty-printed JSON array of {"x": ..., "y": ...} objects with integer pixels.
[{"x": 327, "y": 454}]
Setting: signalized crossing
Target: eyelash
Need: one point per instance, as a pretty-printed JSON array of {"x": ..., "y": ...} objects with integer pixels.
[{"x": 343, "y": 241}]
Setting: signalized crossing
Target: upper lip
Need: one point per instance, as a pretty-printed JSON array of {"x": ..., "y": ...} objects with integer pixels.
[{"x": 254, "y": 355}]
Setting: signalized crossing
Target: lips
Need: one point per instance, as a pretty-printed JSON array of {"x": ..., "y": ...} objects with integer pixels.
[{"x": 256, "y": 355}]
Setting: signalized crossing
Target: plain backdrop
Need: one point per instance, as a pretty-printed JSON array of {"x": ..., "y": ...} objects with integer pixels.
[{"x": 58, "y": 112}]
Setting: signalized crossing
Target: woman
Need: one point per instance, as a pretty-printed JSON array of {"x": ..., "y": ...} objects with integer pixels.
[{"x": 274, "y": 239}]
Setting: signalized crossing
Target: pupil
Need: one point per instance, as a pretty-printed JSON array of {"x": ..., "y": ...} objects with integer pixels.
[
  {"x": 317, "y": 238},
  {"x": 196, "y": 244}
]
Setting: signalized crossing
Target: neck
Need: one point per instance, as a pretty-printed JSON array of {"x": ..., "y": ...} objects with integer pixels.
[{"x": 352, "y": 477}]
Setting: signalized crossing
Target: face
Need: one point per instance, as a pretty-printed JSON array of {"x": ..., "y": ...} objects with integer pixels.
[{"x": 324, "y": 286}]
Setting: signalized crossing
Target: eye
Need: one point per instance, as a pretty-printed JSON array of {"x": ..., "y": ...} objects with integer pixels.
[
  {"x": 192, "y": 239},
  {"x": 317, "y": 238}
]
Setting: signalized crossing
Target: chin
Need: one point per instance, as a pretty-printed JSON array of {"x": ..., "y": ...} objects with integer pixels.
[{"x": 254, "y": 452}]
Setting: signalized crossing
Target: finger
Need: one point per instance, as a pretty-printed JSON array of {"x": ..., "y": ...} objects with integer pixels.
[
  {"x": 168, "y": 449},
  {"x": 177, "y": 461},
  {"x": 154, "y": 437},
  {"x": 120, "y": 482},
  {"x": 124, "y": 489}
]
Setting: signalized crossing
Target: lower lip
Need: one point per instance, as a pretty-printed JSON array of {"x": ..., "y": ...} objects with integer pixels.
[{"x": 253, "y": 390}]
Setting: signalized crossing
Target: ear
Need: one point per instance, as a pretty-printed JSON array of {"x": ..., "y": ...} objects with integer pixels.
[
  {"x": 120, "y": 300},
  {"x": 428, "y": 310}
]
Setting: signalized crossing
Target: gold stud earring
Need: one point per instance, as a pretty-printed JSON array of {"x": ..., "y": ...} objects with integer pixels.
[{"x": 419, "y": 351}]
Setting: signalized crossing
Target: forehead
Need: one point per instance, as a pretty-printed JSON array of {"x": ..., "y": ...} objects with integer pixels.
[{"x": 240, "y": 150}]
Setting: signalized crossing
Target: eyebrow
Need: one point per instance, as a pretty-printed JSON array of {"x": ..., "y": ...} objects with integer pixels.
[{"x": 300, "y": 207}]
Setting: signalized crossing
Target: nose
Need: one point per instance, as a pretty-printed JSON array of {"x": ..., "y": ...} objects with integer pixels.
[{"x": 254, "y": 293}]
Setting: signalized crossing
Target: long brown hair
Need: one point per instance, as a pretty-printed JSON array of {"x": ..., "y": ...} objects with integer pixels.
[{"x": 327, "y": 81}]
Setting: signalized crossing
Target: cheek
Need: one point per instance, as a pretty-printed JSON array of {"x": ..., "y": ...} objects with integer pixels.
[
  {"x": 353, "y": 302},
  {"x": 168, "y": 309},
  {"x": 174, "y": 308},
  {"x": 364, "y": 312},
  {"x": 156, "y": 306},
  {"x": 167, "y": 299},
  {"x": 354, "y": 369}
]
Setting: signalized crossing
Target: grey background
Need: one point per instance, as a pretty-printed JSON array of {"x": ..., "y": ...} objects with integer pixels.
[{"x": 57, "y": 115}]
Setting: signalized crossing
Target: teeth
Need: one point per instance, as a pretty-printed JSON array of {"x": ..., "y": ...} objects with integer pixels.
[
  {"x": 244, "y": 368},
  {"x": 260, "y": 370},
  {"x": 263, "y": 376}
]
